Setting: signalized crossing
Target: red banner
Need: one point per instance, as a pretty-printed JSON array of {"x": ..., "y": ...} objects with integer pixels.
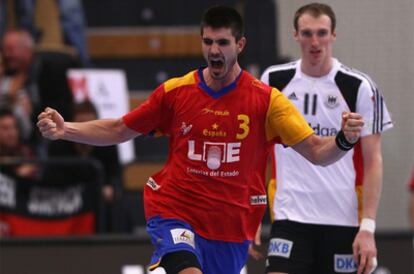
[{"x": 33, "y": 208}]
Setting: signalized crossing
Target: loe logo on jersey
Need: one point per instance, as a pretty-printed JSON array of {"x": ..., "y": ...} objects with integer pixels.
[
  {"x": 229, "y": 152},
  {"x": 344, "y": 263},
  {"x": 280, "y": 247}
]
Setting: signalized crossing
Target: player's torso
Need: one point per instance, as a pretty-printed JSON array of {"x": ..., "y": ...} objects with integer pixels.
[
  {"x": 320, "y": 102},
  {"x": 218, "y": 146},
  {"x": 231, "y": 127},
  {"x": 306, "y": 192}
]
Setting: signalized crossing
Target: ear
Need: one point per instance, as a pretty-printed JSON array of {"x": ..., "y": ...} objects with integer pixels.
[
  {"x": 241, "y": 44},
  {"x": 334, "y": 35},
  {"x": 296, "y": 35}
]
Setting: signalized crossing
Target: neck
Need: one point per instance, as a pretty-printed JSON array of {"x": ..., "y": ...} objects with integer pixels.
[
  {"x": 218, "y": 84},
  {"x": 317, "y": 70}
]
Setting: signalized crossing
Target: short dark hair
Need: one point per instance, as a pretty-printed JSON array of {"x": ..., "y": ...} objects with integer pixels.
[
  {"x": 316, "y": 10},
  {"x": 223, "y": 17}
]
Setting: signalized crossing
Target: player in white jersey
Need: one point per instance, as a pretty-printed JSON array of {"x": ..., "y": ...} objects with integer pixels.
[{"x": 317, "y": 210}]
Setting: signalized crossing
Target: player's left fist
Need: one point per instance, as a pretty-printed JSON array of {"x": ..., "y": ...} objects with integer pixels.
[{"x": 352, "y": 124}]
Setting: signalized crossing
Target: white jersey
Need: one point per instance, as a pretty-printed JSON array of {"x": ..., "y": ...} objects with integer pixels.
[{"x": 313, "y": 194}]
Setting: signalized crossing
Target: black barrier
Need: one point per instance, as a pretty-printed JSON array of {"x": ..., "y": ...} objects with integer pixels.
[
  {"x": 52, "y": 202},
  {"x": 115, "y": 254}
]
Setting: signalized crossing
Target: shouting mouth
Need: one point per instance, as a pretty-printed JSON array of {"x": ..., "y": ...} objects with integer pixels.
[
  {"x": 216, "y": 66},
  {"x": 216, "y": 62}
]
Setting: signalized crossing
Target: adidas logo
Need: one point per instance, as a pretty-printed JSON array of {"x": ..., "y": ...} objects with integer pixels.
[{"x": 293, "y": 96}]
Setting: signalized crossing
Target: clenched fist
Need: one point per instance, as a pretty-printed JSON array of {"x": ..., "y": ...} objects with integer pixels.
[
  {"x": 352, "y": 124},
  {"x": 51, "y": 124}
]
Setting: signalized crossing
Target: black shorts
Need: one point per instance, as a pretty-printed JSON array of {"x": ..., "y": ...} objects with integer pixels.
[{"x": 298, "y": 248}]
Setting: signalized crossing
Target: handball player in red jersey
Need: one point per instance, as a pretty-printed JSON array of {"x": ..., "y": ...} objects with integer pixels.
[{"x": 204, "y": 207}]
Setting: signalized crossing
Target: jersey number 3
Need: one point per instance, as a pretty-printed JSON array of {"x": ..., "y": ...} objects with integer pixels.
[{"x": 244, "y": 126}]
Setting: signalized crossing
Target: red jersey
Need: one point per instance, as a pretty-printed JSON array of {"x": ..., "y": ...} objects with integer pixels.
[{"x": 214, "y": 178}]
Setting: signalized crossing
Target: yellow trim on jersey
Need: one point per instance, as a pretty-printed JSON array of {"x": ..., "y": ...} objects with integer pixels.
[
  {"x": 185, "y": 80},
  {"x": 271, "y": 192},
  {"x": 285, "y": 121}
]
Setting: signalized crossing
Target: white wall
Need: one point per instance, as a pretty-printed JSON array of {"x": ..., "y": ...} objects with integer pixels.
[{"x": 376, "y": 37}]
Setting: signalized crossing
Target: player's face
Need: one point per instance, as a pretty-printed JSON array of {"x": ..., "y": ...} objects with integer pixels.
[
  {"x": 220, "y": 50},
  {"x": 315, "y": 38}
]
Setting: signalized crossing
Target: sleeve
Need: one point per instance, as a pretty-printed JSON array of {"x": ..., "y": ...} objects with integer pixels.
[
  {"x": 284, "y": 122},
  {"x": 154, "y": 114},
  {"x": 372, "y": 107}
]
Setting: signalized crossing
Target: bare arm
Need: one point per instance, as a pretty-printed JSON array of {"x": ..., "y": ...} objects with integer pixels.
[
  {"x": 373, "y": 169},
  {"x": 98, "y": 132},
  {"x": 364, "y": 244},
  {"x": 323, "y": 150},
  {"x": 319, "y": 150}
]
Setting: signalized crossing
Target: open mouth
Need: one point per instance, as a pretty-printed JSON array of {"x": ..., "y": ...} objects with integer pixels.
[{"x": 216, "y": 64}]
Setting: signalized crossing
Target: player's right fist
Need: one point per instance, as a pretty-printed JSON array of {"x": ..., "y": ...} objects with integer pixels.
[
  {"x": 51, "y": 124},
  {"x": 352, "y": 124}
]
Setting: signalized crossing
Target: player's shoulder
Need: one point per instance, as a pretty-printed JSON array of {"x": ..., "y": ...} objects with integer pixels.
[
  {"x": 279, "y": 69},
  {"x": 177, "y": 82},
  {"x": 279, "y": 76},
  {"x": 255, "y": 84},
  {"x": 347, "y": 73}
]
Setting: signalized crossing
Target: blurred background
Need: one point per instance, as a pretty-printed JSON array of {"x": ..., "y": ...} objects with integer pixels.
[{"x": 101, "y": 58}]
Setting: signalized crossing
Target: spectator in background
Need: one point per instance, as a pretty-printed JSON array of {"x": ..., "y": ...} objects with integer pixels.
[
  {"x": 17, "y": 83},
  {"x": 107, "y": 156},
  {"x": 11, "y": 146},
  {"x": 30, "y": 80},
  {"x": 411, "y": 186},
  {"x": 72, "y": 20}
]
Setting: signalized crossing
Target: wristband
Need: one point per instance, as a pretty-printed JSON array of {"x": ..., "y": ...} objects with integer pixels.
[
  {"x": 367, "y": 225},
  {"x": 342, "y": 143}
]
